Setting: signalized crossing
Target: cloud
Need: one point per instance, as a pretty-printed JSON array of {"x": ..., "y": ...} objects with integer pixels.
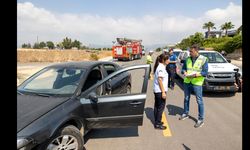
[
  {"x": 95, "y": 29},
  {"x": 231, "y": 13}
]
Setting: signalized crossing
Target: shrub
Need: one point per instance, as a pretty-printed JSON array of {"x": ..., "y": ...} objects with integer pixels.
[{"x": 93, "y": 56}]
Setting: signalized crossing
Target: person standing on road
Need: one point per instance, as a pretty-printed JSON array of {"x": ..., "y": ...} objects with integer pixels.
[
  {"x": 171, "y": 69},
  {"x": 195, "y": 69},
  {"x": 149, "y": 60},
  {"x": 160, "y": 89}
]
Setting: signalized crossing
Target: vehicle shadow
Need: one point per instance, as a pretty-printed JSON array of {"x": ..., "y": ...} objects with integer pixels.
[
  {"x": 150, "y": 114},
  {"x": 218, "y": 94},
  {"x": 111, "y": 133},
  {"x": 175, "y": 110},
  {"x": 179, "y": 82}
]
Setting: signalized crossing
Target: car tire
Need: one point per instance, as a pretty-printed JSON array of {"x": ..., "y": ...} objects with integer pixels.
[{"x": 69, "y": 134}]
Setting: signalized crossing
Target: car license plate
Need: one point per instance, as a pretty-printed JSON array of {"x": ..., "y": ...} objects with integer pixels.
[{"x": 221, "y": 88}]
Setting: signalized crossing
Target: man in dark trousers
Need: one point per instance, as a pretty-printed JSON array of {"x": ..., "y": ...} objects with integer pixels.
[
  {"x": 171, "y": 69},
  {"x": 195, "y": 69}
]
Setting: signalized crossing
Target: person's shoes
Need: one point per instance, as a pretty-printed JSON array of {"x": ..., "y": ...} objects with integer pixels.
[
  {"x": 199, "y": 123},
  {"x": 161, "y": 123},
  {"x": 183, "y": 117},
  {"x": 160, "y": 127}
]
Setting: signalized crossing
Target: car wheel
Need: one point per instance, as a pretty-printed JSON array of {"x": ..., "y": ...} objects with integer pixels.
[
  {"x": 67, "y": 138},
  {"x": 128, "y": 89}
]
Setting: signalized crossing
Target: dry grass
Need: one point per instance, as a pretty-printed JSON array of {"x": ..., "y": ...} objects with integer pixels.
[{"x": 34, "y": 55}]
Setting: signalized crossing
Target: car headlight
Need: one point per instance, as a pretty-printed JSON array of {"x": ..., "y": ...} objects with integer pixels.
[{"x": 21, "y": 143}]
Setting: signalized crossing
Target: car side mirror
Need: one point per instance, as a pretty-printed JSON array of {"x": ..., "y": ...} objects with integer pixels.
[
  {"x": 229, "y": 60},
  {"x": 182, "y": 61},
  {"x": 236, "y": 69},
  {"x": 93, "y": 97}
]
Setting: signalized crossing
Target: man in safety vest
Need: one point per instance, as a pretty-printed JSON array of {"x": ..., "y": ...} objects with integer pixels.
[
  {"x": 149, "y": 60},
  {"x": 195, "y": 69}
]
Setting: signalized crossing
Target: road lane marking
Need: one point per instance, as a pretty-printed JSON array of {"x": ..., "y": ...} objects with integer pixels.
[{"x": 167, "y": 132}]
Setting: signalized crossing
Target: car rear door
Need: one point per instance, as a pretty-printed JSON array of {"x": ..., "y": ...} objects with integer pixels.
[{"x": 119, "y": 110}]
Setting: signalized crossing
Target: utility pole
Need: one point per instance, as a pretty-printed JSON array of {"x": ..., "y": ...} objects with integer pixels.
[{"x": 37, "y": 39}]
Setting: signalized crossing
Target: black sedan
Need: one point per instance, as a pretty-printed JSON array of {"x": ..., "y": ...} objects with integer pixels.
[{"x": 59, "y": 104}]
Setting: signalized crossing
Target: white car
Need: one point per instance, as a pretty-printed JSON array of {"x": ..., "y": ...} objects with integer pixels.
[
  {"x": 177, "y": 52},
  {"x": 221, "y": 74}
]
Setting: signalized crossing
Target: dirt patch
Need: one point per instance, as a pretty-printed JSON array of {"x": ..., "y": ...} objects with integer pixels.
[{"x": 34, "y": 55}]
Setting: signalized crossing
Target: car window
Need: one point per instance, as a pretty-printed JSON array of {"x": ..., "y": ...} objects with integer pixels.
[
  {"x": 54, "y": 81},
  {"x": 185, "y": 55},
  {"x": 93, "y": 77},
  {"x": 181, "y": 55},
  {"x": 124, "y": 83},
  {"x": 176, "y": 53},
  {"x": 109, "y": 68},
  {"x": 214, "y": 57}
]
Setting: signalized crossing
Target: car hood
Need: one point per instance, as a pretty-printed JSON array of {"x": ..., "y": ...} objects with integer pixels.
[
  {"x": 30, "y": 108},
  {"x": 221, "y": 67}
]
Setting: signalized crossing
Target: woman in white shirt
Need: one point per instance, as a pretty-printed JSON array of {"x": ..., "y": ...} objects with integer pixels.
[{"x": 160, "y": 89}]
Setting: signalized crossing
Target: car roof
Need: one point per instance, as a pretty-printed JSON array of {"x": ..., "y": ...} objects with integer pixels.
[
  {"x": 202, "y": 51},
  {"x": 80, "y": 64},
  {"x": 207, "y": 51},
  {"x": 177, "y": 50}
]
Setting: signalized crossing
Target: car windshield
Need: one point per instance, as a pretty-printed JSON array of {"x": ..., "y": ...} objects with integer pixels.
[
  {"x": 53, "y": 81},
  {"x": 176, "y": 53},
  {"x": 214, "y": 57}
]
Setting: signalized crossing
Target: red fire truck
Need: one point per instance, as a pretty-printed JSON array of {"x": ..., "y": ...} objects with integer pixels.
[{"x": 127, "y": 49}]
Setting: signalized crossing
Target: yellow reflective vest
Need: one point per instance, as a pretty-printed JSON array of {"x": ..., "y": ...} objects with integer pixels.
[
  {"x": 149, "y": 59},
  {"x": 196, "y": 68}
]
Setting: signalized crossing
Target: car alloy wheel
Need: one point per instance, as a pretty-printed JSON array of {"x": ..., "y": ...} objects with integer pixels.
[
  {"x": 65, "y": 142},
  {"x": 66, "y": 138}
]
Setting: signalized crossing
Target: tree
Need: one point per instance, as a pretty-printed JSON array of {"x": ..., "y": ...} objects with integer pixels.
[
  {"x": 67, "y": 44},
  {"x": 209, "y": 25},
  {"x": 76, "y": 43},
  {"x": 36, "y": 46},
  {"x": 50, "y": 45},
  {"x": 158, "y": 49},
  {"x": 197, "y": 38},
  {"x": 24, "y": 45},
  {"x": 227, "y": 26},
  {"x": 42, "y": 44}
]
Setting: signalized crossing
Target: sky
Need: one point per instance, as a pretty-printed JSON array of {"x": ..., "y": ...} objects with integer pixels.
[{"x": 99, "y": 22}]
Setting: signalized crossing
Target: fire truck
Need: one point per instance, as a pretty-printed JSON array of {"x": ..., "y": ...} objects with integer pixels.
[{"x": 127, "y": 49}]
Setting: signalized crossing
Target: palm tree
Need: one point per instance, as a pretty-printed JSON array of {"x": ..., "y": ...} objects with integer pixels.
[
  {"x": 209, "y": 25},
  {"x": 226, "y": 26}
]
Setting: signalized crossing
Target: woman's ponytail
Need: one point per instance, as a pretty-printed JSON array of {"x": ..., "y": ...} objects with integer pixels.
[{"x": 156, "y": 63}]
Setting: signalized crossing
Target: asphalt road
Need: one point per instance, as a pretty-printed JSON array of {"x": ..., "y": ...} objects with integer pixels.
[{"x": 222, "y": 129}]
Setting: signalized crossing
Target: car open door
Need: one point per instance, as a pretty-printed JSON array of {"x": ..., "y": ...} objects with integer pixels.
[{"x": 119, "y": 110}]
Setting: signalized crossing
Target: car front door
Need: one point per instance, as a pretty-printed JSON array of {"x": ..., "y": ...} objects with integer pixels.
[{"x": 118, "y": 110}]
